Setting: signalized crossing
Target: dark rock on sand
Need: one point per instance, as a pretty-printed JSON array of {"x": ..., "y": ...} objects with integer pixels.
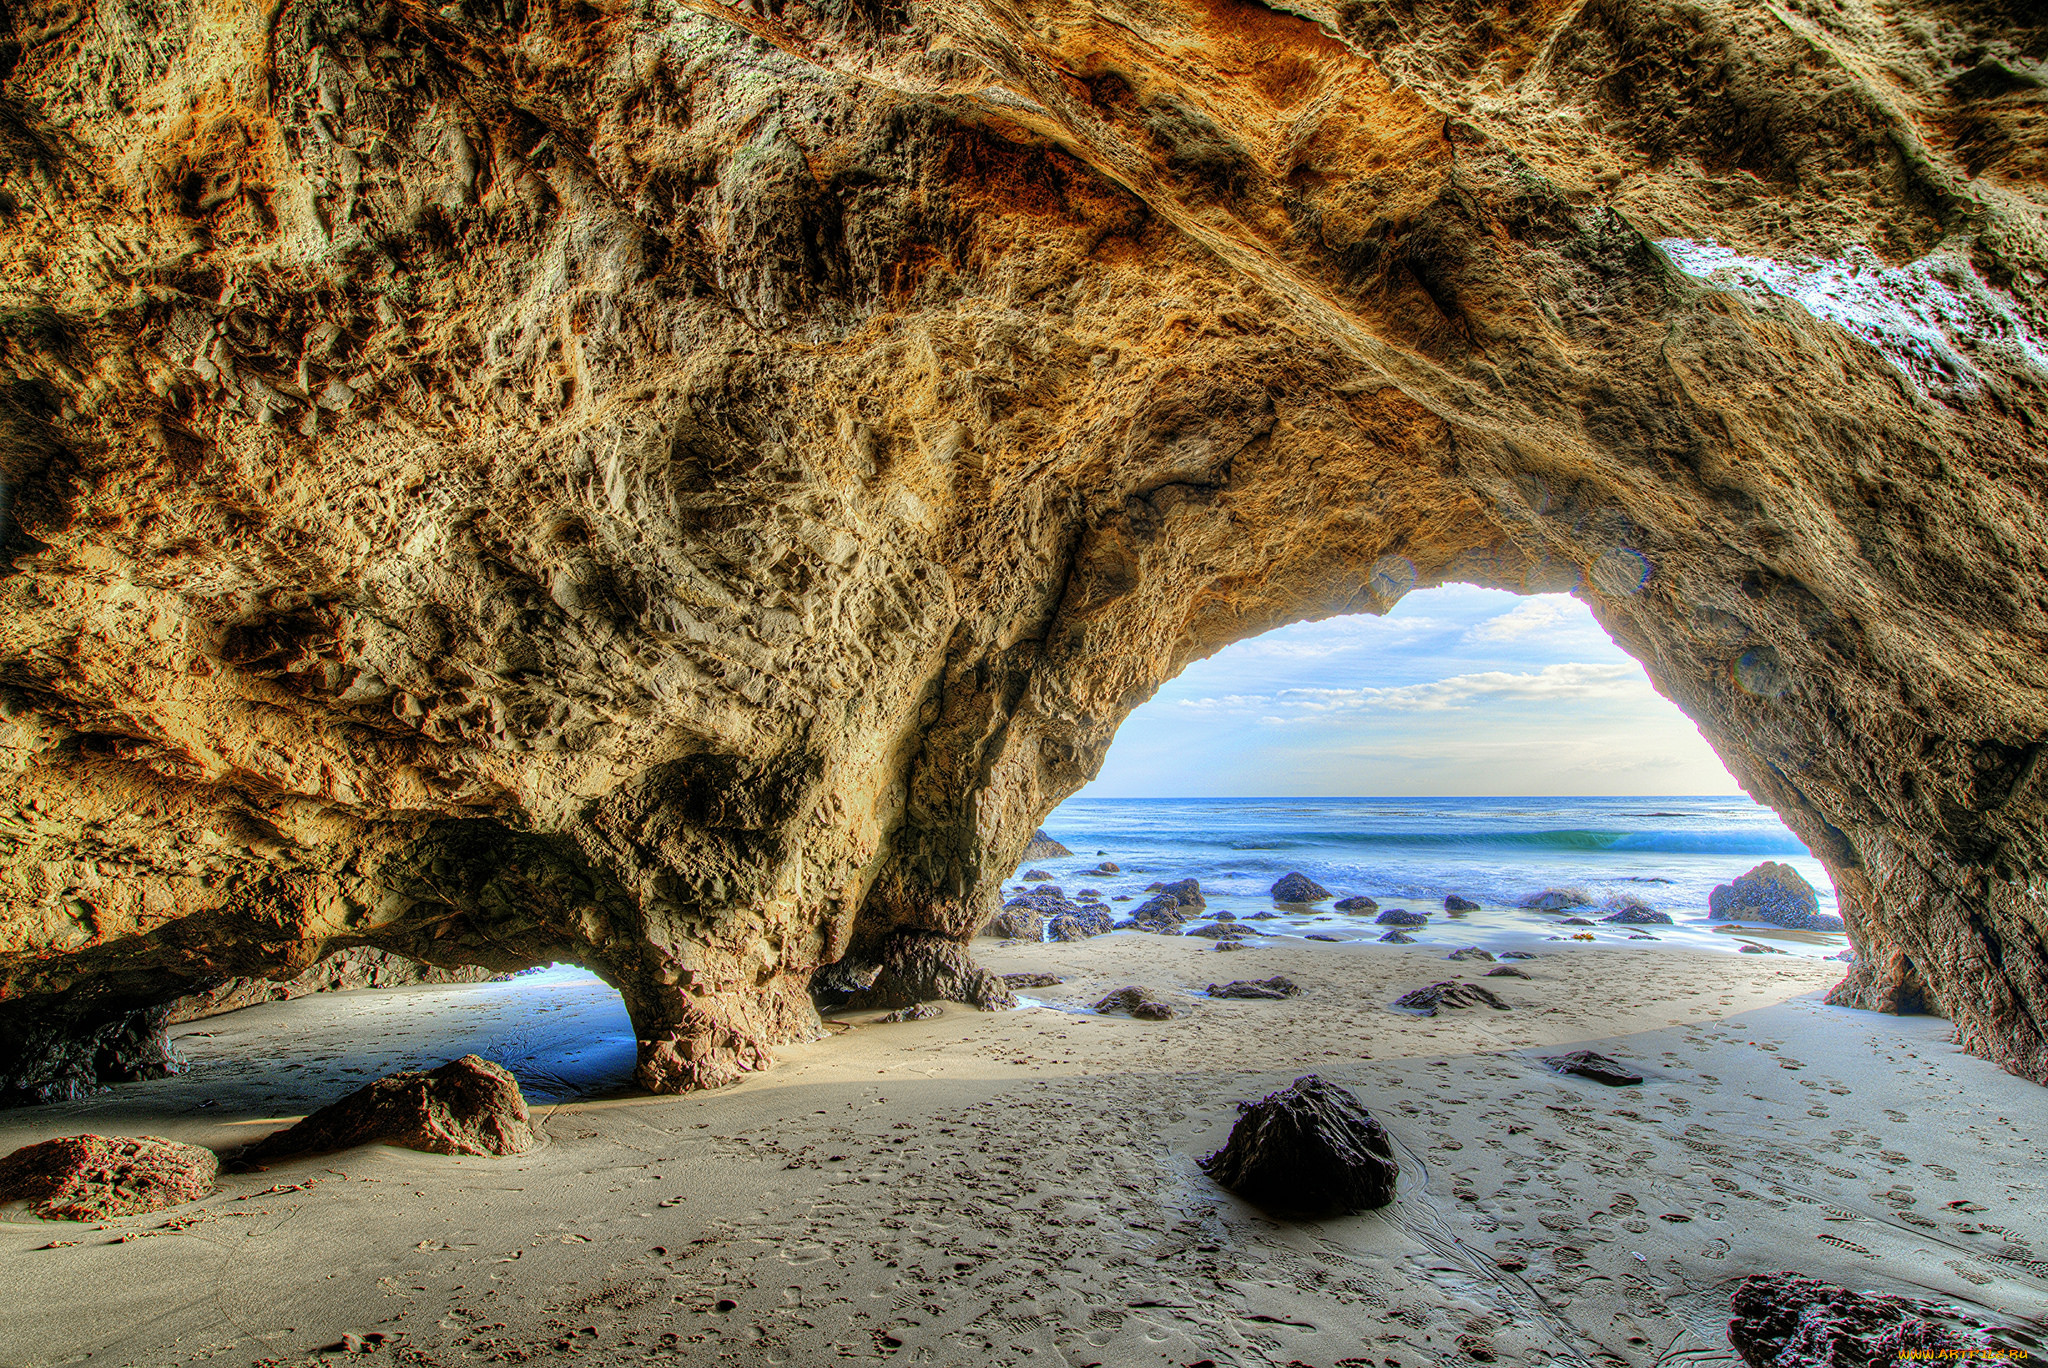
[
  {"x": 1220, "y": 930},
  {"x": 1360, "y": 903},
  {"x": 1575, "y": 921},
  {"x": 1516, "y": 954},
  {"x": 1161, "y": 914},
  {"x": 1137, "y": 1002},
  {"x": 914, "y": 967},
  {"x": 1454, "y": 903},
  {"x": 1448, "y": 994},
  {"x": 1781, "y": 1320},
  {"x": 1044, "y": 847},
  {"x": 99, "y": 1177},
  {"x": 1298, "y": 888},
  {"x": 1471, "y": 952},
  {"x": 924, "y": 1011},
  {"x": 1311, "y": 1149},
  {"x": 1557, "y": 899},
  {"x": 1752, "y": 949},
  {"x": 1635, "y": 912},
  {"x": 1032, "y": 980},
  {"x": 1590, "y": 1064},
  {"x": 1278, "y": 986},
  {"x": 1773, "y": 893},
  {"x": 467, "y": 1106},
  {"x": 1017, "y": 920},
  {"x": 1505, "y": 971},
  {"x": 1078, "y": 923},
  {"x": 1325, "y": 936},
  {"x": 1224, "y": 916},
  {"x": 1401, "y": 916},
  {"x": 1398, "y": 937}
]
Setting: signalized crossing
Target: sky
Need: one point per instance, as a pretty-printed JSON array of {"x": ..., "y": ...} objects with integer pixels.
[{"x": 1457, "y": 691}]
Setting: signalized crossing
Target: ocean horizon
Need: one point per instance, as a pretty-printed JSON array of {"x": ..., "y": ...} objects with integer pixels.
[{"x": 1668, "y": 851}]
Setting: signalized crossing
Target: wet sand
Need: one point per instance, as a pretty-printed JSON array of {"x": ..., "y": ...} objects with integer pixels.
[{"x": 1022, "y": 1187}]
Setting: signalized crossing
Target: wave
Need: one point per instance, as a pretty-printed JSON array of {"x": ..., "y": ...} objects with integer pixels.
[{"x": 1570, "y": 839}]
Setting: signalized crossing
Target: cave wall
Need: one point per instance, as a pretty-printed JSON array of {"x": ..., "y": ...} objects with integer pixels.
[{"x": 685, "y": 489}]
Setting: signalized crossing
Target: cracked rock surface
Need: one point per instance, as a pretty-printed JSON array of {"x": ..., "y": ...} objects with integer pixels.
[{"x": 686, "y": 490}]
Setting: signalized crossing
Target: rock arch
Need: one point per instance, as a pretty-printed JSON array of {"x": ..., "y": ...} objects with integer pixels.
[{"x": 685, "y": 491}]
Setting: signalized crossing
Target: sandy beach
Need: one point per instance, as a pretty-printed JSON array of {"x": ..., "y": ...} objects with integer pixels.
[{"x": 1022, "y": 1187}]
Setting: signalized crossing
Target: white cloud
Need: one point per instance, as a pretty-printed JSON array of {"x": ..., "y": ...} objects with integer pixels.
[
  {"x": 1524, "y": 619},
  {"x": 1335, "y": 637},
  {"x": 1568, "y": 682}
]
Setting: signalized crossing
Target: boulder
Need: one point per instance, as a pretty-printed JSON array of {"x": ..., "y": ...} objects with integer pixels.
[
  {"x": 1516, "y": 955},
  {"x": 1032, "y": 980},
  {"x": 1298, "y": 888},
  {"x": 1557, "y": 899},
  {"x": 1575, "y": 921},
  {"x": 1044, "y": 847},
  {"x": 1103, "y": 869},
  {"x": 1310, "y": 1149},
  {"x": 1591, "y": 1064},
  {"x": 1783, "y": 1320},
  {"x": 1326, "y": 936},
  {"x": 468, "y": 1106},
  {"x": 1397, "y": 937},
  {"x": 1357, "y": 903},
  {"x": 1035, "y": 876},
  {"x": 1159, "y": 914},
  {"x": 1426, "y": 1001},
  {"x": 1017, "y": 920},
  {"x": 1079, "y": 923},
  {"x": 923, "y": 1011},
  {"x": 1401, "y": 916},
  {"x": 1278, "y": 986},
  {"x": 1505, "y": 971},
  {"x": 100, "y": 1177},
  {"x": 1628, "y": 911},
  {"x": 1454, "y": 903},
  {"x": 1471, "y": 952},
  {"x": 1138, "y": 1002},
  {"x": 1186, "y": 892},
  {"x": 1220, "y": 930},
  {"x": 1773, "y": 893},
  {"x": 912, "y": 967}
]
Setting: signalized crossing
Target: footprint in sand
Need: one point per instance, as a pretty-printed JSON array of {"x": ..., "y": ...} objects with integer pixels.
[
  {"x": 1840, "y": 1243},
  {"x": 1966, "y": 1273}
]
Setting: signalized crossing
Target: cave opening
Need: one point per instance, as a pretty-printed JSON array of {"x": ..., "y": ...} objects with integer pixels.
[
  {"x": 266, "y": 1047},
  {"x": 1495, "y": 750}
]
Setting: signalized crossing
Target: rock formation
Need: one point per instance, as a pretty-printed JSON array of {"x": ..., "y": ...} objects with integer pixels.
[
  {"x": 1781, "y": 1320},
  {"x": 1774, "y": 893},
  {"x": 686, "y": 489},
  {"x": 359, "y": 967},
  {"x": 1449, "y": 993},
  {"x": 467, "y": 1106},
  {"x": 1310, "y": 1149},
  {"x": 100, "y": 1177},
  {"x": 1298, "y": 887},
  {"x": 1043, "y": 847},
  {"x": 1590, "y": 1064}
]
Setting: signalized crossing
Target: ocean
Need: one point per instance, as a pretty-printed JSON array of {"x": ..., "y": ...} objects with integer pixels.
[{"x": 1669, "y": 852}]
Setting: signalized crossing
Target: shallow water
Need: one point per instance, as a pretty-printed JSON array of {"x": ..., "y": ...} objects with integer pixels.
[{"x": 1669, "y": 852}]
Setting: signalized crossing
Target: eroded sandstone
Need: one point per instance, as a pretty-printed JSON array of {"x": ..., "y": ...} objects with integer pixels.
[{"x": 686, "y": 490}]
